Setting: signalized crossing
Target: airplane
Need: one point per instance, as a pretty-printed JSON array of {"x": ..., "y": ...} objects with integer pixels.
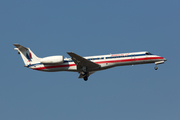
[{"x": 85, "y": 66}]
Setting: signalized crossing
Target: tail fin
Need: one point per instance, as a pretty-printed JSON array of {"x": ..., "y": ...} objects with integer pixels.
[{"x": 27, "y": 55}]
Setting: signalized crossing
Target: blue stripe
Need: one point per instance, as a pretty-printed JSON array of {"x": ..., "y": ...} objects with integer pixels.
[{"x": 34, "y": 64}]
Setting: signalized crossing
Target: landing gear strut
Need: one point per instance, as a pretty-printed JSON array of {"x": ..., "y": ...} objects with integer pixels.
[{"x": 159, "y": 62}]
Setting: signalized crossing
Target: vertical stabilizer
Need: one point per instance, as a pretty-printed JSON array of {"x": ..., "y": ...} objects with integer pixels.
[{"x": 27, "y": 55}]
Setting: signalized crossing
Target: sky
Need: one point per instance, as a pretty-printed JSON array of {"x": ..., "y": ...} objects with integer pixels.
[{"x": 90, "y": 27}]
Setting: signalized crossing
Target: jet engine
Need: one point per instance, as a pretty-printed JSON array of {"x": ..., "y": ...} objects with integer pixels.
[{"x": 52, "y": 60}]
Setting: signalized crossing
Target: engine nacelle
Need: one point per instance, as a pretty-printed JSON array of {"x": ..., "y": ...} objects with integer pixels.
[{"x": 52, "y": 60}]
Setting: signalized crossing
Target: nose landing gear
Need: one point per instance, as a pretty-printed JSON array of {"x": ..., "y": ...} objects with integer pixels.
[
  {"x": 158, "y": 62},
  {"x": 155, "y": 67}
]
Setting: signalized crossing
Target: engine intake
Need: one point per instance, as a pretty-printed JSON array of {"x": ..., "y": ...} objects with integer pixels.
[{"x": 52, "y": 60}]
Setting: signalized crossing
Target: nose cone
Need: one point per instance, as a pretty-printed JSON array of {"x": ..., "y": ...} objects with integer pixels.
[{"x": 162, "y": 58}]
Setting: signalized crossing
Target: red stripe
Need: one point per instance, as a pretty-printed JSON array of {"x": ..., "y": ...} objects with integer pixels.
[
  {"x": 127, "y": 60},
  {"x": 112, "y": 61},
  {"x": 58, "y": 66}
]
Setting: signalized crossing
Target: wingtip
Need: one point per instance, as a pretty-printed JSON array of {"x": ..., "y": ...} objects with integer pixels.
[
  {"x": 69, "y": 52},
  {"x": 16, "y": 45}
]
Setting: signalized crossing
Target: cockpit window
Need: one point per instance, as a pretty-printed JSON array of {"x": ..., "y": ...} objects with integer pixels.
[{"x": 148, "y": 53}]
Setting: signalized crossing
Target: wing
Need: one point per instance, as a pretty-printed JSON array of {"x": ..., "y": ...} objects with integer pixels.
[{"x": 82, "y": 62}]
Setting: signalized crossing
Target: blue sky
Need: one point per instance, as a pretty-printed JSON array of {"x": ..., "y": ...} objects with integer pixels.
[{"x": 93, "y": 27}]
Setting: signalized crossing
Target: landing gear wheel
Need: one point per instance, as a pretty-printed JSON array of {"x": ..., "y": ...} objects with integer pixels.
[
  {"x": 155, "y": 67},
  {"x": 85, "y": 78}
]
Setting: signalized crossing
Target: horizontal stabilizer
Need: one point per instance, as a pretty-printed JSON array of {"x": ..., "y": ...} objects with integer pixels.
[{"x": 20, "y": 47}]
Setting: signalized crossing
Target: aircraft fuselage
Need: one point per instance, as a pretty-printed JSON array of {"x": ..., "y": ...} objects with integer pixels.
[
  {"x": 85, "y": 66},
  {"x": 105, "y": 62}
]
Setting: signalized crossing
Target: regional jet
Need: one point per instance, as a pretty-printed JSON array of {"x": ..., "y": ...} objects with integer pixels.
[{"x": 85, "y": 66}]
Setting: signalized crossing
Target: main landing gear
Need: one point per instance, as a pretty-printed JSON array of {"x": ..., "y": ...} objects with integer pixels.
[
  {"x": 85, "y": 78},
  {"x": 84, "y": 69}
]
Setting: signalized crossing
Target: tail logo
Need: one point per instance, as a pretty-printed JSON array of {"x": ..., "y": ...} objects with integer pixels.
[{"x": 29, "y": 56}]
